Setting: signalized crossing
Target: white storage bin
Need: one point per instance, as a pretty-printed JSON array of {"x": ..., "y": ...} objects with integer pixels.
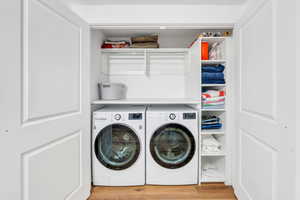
[{"x": 112, "y": 91}]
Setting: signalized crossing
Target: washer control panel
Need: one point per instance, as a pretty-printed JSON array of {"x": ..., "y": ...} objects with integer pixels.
[
  {"x": 172, "y": 116},
  {"x": 117, "y": 117}
]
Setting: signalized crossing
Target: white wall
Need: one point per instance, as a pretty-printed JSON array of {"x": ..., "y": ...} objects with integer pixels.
[
  {"x": 96, "y": 41},
  {"x": 297, "y": 186},
  {"x": 159, "y": 14}
]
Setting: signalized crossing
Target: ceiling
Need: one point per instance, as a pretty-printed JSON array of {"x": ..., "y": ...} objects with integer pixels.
[{"x": 149, "y": 2}]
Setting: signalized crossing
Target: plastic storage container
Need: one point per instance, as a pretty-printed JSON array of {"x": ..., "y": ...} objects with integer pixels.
[
  {"x": 205, "y": 51},
  {"x": 112, "y": 91}
]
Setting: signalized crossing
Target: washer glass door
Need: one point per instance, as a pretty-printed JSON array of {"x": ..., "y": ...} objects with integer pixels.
[
  {"x": 172, "y": 146},
  {"x": 117, "y": 147}
]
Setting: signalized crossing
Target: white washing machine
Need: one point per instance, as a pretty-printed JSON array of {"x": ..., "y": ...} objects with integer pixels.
[
  {"x": 118, "y": 149},
  {"x": 171, "y": 145}
]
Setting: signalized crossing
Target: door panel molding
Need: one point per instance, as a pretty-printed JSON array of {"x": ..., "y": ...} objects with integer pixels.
[
  {"x": 30, "y": 155},
  {"x": 264, "y": 130},
  {"x": 67, "y": 109},
  {"x": 254, "y": 165},
  {"x": 262, "y": 85}
]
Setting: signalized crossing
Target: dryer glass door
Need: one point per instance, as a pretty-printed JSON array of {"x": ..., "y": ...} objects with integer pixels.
[
  {"x": 172, "y": 146},
  {"x": 117, "y": 147}
]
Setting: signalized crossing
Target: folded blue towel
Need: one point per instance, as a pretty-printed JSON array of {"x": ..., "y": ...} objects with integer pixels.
[
  {"x": 213, "y": 68},
  {"x": 212, "y": 126},
  {"x": 213, "y": 76},
  {"x": 211, "y": 81},
  {"x": 209, "y": 119}
]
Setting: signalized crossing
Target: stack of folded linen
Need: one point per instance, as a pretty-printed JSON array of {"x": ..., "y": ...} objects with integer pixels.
[
  {"x": 111, "y": 44},
  {"x": 213, "y": 74},
  {"x": 211, "y": 122},
  {"x": 146, "y": 41},
  {"x": 211, "y": 145},
  {"x": 213, "y": 99}
]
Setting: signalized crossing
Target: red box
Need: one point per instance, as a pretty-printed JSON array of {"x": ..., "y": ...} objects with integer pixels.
[{"x": 204, "y": 51}]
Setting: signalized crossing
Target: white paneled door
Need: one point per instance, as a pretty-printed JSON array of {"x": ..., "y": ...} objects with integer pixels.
[
  {"x": 44, "y": 109},
  {"x": 265, "y": 167}
]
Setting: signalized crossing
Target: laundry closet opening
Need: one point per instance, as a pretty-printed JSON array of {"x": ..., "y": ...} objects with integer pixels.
[{"x": 178, "y": 74}]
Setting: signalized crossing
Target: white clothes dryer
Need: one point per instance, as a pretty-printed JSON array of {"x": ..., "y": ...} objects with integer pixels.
[
  {"x": 118, "y": 146},
  {"x": 171, "y": 145}
]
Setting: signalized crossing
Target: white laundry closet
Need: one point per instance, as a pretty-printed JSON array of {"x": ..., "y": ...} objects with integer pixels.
[
  {"x": 168, "y": 75},
  {"x": 52, "y": 62}
]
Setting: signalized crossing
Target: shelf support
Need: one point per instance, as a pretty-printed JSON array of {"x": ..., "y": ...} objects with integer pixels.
[{"x": 146, "y": 62}]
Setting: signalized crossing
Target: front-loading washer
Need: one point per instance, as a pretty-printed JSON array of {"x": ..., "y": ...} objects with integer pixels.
[
  {"x": 171, "y": 145},
  {"x": 118, "y": 150}
]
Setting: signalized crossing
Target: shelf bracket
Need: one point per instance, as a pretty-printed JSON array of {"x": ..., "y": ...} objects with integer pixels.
[{"x": 146, "y": 63}]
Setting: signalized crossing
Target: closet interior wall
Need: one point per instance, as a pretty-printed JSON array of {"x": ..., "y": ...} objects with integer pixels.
[{"x": 97, "y": 37}]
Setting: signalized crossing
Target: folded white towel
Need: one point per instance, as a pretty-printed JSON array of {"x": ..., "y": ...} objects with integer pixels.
[
  {"x": 211, "y": 145},
  {"x": 211, "y": 140},
  {"x": 214, "y": 98},
  {"x": 211, "y": 149}
]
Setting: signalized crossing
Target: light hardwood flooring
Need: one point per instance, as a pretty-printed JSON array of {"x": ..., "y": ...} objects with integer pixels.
[{"x": 212, "y": 191}]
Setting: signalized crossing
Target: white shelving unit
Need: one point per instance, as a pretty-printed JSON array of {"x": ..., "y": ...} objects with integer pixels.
[{"x": 214, "y": 159}]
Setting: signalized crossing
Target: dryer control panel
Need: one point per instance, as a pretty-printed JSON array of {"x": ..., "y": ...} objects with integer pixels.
[
  {"x": 189, "y": 115},
  {"x": 135, "y": 116}
]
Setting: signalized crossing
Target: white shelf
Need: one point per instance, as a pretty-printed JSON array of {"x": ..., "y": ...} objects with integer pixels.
[
  {"x": 212, "y": 62},
  {"x": 213, "y": 39},
  {"x": 147, "y": 101},
  {"x": 212, "y": 109},
  {"x": 141, "y": 50},
  {"x": 212, "y": 132},
  {"x": 206, "y": 179},
  {"x": 213, "y": 154},
  {"x": 213, "y": 85}
]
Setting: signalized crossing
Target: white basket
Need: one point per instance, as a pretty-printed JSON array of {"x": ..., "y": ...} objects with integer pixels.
[{"x": 112, "y": 91}]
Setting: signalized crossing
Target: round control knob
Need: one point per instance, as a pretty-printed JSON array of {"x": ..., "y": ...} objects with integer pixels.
[
  {"x": 172, "y": 116},
  {"x": 117, "y": 116}
]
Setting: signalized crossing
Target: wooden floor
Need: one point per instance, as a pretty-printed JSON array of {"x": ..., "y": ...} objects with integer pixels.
[{"x": 214, "y": 191}]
